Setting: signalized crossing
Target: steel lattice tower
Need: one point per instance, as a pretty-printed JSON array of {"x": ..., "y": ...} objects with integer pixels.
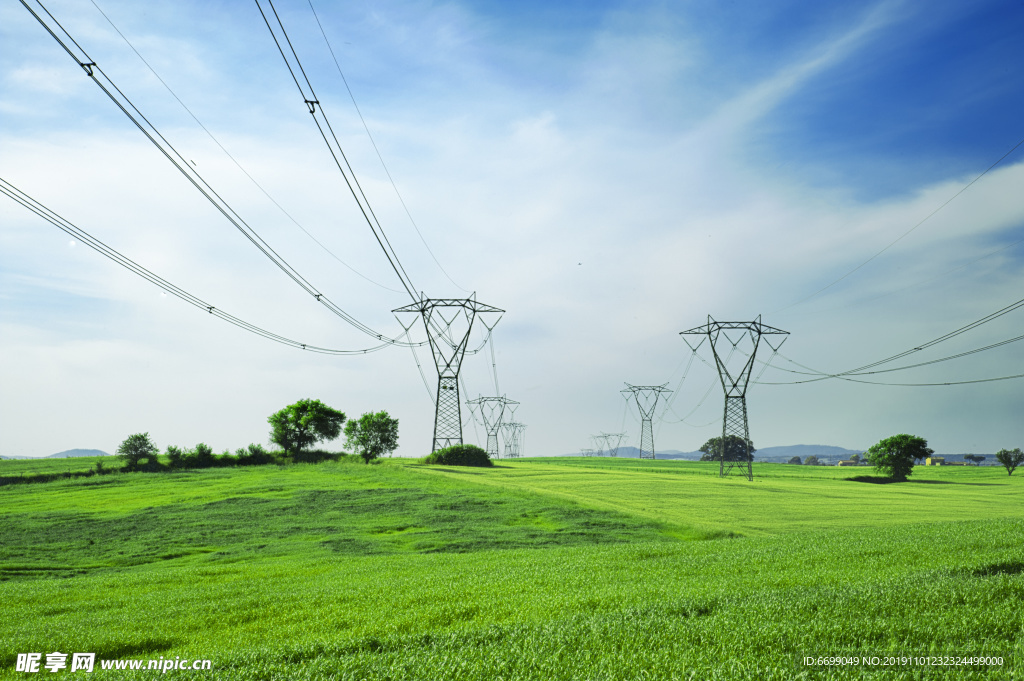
[
  {"x": 513, "y": 432},
  {"x": 448, "y": 322},
  {"x": 604, "y": 442},
  {"x": 734, "y": 417},
  {"x": 492, "y": 409},
  {"x": 646, "y": 397}
]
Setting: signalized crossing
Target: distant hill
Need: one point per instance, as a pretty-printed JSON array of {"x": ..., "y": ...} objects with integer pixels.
[
  {"x": 768, "y": 454},
  {"x": 823, "y": 452},
  {"x": 76, "y": 452}
]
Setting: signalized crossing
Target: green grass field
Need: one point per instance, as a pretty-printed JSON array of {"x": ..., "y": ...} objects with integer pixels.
[
  {"x": 73, "y": 464},
  {"x": 534, "y": 569}
]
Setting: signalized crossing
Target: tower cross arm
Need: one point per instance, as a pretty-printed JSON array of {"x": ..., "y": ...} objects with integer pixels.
[
  {"x": 712, "y": 325},
  {"x": 427, "y": 303}
]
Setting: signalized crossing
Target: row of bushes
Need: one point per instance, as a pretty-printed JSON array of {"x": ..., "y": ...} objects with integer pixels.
[{"x": 140, "y": 454}]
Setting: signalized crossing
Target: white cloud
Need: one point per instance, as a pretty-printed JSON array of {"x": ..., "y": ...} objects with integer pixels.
[{"x": 603, "y": 228}]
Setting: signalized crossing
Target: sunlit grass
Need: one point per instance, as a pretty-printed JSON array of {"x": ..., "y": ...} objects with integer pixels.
[
  {"x": 558, "y": 569},
  {"x": 781, "y": 498}
]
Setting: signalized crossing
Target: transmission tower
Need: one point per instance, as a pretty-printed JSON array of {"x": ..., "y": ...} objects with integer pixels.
[
  {"x": 448, "y": 322},
  {"x": 646, "y": 397},
  {"x": 513, "y": 437},
  {"x": 492, "y": 409},
  {"x": 735, "y": 384},
  {"x": 609, "y": 442}
]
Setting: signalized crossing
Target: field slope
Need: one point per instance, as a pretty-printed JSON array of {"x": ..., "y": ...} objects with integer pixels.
[{"x": 535, "y": 569}]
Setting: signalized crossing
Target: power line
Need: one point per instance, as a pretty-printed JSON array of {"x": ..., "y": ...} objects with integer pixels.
[
  {"x": 92, "y": 242},
  {"x": 900, "y": 237},
  {"x": 191, "y": 174},
  {"x": 234, "y": 160},
  {"x": 942, "y": 275},
  {"x": 377, "y": 150},
  {"x": 865, "y": 370},
  {"x": 913, "y": 385},
  {"x": 336, "y": 151}
]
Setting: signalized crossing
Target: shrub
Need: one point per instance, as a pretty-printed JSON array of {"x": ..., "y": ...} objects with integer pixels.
[
  {"x": 314, "y": 456},
  {"x": 175, "y": 457},
  {"x": 459, "y": 455},
  {"x": 254, "y": 455}
]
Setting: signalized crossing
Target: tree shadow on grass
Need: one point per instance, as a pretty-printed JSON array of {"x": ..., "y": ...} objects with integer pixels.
[
  {"x": 1013, "y": 567},
  {"x": 881, "y": 480}
]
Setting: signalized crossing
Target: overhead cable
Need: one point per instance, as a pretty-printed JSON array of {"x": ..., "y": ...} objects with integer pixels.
[
  {"x": 379, "y": 156},
  {"x": 234, "y": 160},
  {"x": 191, "y": 174},
  {"x": 870, "y": 368},
  {"x": 124, "y": 261},
  {"x": 900, "y": 237},
  {"x": 337, "y": 153}
]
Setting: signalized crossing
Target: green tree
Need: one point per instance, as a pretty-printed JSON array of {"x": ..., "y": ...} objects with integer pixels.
[
  {"x": 372, "y": 436},
  {"x": 1010, "y": 458},
  {"x": 895, "y": 456},
  {"x": 855, "y": 458},
  {"x": 735, "y": 449},
  {"x": 795, "y": 459},
  {"x": 301, "y": 425},
  {"x": 811, "y": 461},
  {"x": 974, "y": 458},
  {"x": 138, "y": 452}
]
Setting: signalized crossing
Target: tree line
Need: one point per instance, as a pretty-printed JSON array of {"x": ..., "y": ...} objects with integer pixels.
[
  {"x": 296, "y": 429},
  {"x": 894, "y": 456}
]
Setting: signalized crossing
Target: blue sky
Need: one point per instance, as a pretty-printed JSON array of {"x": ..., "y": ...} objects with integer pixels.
[{"x": 609, "y": 173}]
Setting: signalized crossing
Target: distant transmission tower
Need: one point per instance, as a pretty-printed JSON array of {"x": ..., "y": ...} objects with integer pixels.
[
  {"x": 610, "y": 442},
  {"x": 492, "y": 409},
  {"x": 448, "y": 322},
  {"x": 734, "y": 418},
  {"x": 513, "y": 437},
  {"x": 646, "y": 397}
]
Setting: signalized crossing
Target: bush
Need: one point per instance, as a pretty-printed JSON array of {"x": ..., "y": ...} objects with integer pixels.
[
  {"x": 314, "y": 456},
  {"x": 175, "y": 457},
  {"x": 459, "y": 455},
  {"x": 200, "y": 457},
  {"x": 203, "y": 454},
  {"x": 254, "y": 455}
]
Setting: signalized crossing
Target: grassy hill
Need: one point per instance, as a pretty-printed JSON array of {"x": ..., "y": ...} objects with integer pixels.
[
  {"x": 49, "y": 466},
  {"x": 535, "y": 569}
]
